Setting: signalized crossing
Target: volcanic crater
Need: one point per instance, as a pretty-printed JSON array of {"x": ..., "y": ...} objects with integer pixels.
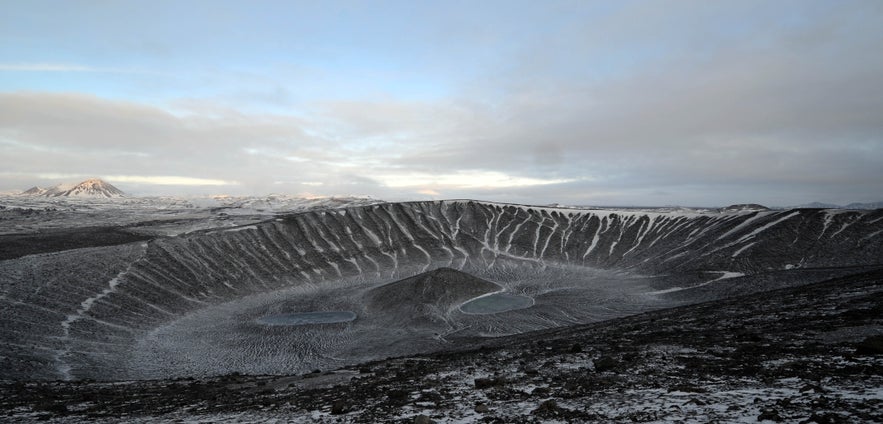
[{"x": 369, "y": 282}]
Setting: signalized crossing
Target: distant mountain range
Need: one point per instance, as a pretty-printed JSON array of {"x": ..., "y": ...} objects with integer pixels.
[
  {"x": 91, "y": 188},
  {"x": 97, "y": 188},
  {"x": 854, "y": 205}
]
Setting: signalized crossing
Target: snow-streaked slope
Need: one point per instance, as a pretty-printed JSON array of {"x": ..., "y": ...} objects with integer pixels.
[{"x": 49, "y": 333}]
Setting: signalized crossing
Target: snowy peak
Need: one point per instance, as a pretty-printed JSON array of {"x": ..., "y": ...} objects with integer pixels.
[
  {"x": 91, "y": 188},
  {"x": 34, "y": 191}
]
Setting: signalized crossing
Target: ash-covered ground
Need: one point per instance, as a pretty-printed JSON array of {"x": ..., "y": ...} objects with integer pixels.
[{"x": 804, "y": 354}]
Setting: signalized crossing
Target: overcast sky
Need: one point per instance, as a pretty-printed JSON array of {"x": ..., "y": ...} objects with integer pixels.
[{"x": 578, "y": 102}]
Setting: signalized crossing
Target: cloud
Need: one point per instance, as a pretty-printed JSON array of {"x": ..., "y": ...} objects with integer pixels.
[
  {"x": 167, "y": 180},
  {"x": 429, "y": 192},
  {"x": 639, "y": 103},
  {"x": 464, "y": 179},
  {"x": 46, "y": 67},
  {"x": 71, "y": 67},
  {"x": 69, "y": 135}
]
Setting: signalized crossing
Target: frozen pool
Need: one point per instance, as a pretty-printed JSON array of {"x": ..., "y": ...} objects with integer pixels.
[
  {"x": 496, "y": 303},
  {"x": 307, "y": 318}
]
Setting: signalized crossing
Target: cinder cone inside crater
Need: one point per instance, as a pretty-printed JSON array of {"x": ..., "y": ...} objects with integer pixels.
[{"x": 436, "y": 291}]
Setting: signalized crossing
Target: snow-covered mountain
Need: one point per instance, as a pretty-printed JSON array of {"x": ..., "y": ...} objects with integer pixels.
[
  {"x": 34, "y": 191},
  {"x": 871, "y": 205},
  {"x": 91, "y": 188},
  {"x": 818, "y": 205}
]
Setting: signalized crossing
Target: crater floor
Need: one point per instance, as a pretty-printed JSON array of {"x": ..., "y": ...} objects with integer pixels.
[{"x": 431, "y": 311}]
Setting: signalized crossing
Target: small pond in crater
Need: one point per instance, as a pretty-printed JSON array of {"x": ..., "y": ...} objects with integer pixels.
[
  {"x": 496, "y": 303},
  {"x": 308, "y": 318}
]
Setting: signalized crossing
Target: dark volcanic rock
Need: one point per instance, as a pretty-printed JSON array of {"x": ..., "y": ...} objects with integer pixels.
[
  {"x": 606, "y": 363},
  {"x": 423, "y": 419},
  {"x": 55, "y": 240},
  {"x": 339, "y": 407},
  {"x": 489, "y": 383},
  {"x": 871, "y": 346}
]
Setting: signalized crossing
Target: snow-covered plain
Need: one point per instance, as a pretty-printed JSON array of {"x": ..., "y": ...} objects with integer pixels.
[{"x": 166, "y": 216}]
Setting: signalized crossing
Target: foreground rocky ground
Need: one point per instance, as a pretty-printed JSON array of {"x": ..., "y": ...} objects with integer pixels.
[{"x": 805, "y": 354}]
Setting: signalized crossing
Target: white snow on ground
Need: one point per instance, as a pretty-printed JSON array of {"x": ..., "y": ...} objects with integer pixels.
[
  {"x": 767, "y": 226},
  {"x": 724, "y": 276},
  {"x": 742, "y": 249},
  {"x": 168, "y": 216},
  {"x": 732, "y": 401},
  {"x": 64, "y": 369},
  {"x": 247, "y": 227},
  {"x": 743, "y": 225}
]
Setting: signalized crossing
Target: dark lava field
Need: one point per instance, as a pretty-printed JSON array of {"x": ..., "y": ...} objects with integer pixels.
[{"x": 445, "y": 311}]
